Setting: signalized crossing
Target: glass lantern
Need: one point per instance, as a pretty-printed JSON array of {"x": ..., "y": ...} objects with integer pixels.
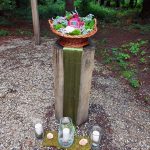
[
  {"x": 95, "y": 135},
  {"x": 66, "y": 132},
  {"x": 39, "y": 131}
]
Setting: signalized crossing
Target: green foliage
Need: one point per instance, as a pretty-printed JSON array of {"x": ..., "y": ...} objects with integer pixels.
[
  {"x": 104, "y": 13},
  {"x": 75, "y": 32},
  {"x": 142, "y": 60},
  {"x": 121, "y": 56},
  {"x": 123, "y": 64},
  {"x": 134, "y": 48},
  {"x": 90, "y": 25},
  {"x": 5, "y": 22},
  {"x": 144, "y": 28},
  {"x": 68, "y": 15},
  {"x": 128, "y": 74},
  {"x": 134, "y": 83},
  {"x": 143, "y": 53},
  {"x": 122, "y": 59},
  {"x": 23, "y": 14},
  {"x": 7, "y": 4},
  {"x": 23, "y": 32},
  {"x": 58, "y": 26},
  {"x": 4, "y": 32},
  {"x": 51, "y": 9},
  {"x": 77, "y": 3}
]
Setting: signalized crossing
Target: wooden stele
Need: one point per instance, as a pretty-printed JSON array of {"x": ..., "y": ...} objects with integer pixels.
[{"x": 87, "y": 65}]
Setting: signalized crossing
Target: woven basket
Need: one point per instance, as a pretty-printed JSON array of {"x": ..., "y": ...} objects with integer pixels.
[{"x": 76, "y": 41}]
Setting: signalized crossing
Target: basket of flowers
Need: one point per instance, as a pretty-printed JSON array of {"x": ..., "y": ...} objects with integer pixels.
[{"x": 73, "y": 30}]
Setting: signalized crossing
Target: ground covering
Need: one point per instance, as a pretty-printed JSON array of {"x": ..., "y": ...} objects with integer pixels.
[{"x": 27, "y": 95}]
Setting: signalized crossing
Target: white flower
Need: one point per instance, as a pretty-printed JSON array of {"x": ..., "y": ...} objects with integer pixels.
[{"x": 69, "y": 29}]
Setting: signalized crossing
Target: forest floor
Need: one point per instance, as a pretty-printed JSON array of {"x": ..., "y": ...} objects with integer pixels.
[{"x": 27, "y": 93}]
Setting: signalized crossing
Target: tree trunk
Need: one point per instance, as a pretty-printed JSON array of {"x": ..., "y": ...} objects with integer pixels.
[
  {"x": 131, "y": 4},
  {"x": 17, "y": 3},
  {"x": 70, "y": 5},
  {"x": 102, "y": 2},
  {"x": 108, "y": 3},
  {"x": 35, "y": 19},
  {"x": 117, "y": 3},
  {"x": 145, "y": 13},
  {"x": 135, "y": 3},
  {"x": 123, "y": 2}
]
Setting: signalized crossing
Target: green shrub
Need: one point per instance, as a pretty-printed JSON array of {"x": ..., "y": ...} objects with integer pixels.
[
  {"x": 145, "y": 28},
  {"x": 128, "y": 74},
  {"x": 134, "y": 83},
  {"x": 103, "y": 13},
  {"x": 23, "y": 13},
  {"x": 52, "y": 9},
  {"x": 4, "y": 32},
  {"x": 5, "y": 22}
]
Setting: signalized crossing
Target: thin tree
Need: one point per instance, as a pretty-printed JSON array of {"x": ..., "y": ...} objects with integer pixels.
[
  {"x": 108, "y": 3},
  {"x": 145, "y": 13},
  {"x": 69, "y": 5},
  {"x": 117, "y": 3},
  {"x": 17, "y": 3},
  {"x": 35, "y": 19},
  {"x": 102, "y": 2}
]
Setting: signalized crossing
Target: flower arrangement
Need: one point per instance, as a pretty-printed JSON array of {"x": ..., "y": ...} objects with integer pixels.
[{"x": 73, "y": 24}]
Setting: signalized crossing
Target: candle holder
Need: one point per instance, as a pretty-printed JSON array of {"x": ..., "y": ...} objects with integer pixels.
[
  {"x": 95, "y": 135},
  {"x": 66, "y": 132},
  {"x": 39, "y": 132}
]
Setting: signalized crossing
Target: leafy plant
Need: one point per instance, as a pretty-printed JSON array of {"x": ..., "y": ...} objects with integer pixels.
[
  {"x": 143, "y": 53},
  {"x": 4, "y": 22},
  {"x": 75, "y": 32},
  {"x": 58, "y": 26},
  {"x": 4, "y": 32},
  {"x": 123, "y": 64},
  {"x": 7, "y": 4},
  {"x": 122, "y": 56},
  {"x": 89, "y": 25},
  {"x": 128, "y": 74},
  {"x": 134, "y": 48},
  {"x": 134, "y": 83},
  {"x": 142, "y": 60}
]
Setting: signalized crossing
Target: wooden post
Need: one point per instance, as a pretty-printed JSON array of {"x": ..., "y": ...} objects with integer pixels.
[
  {"x": 35, "y": 19},
  {"x": 87, "y": 65},
  {"x": 58, "y": 80}
]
